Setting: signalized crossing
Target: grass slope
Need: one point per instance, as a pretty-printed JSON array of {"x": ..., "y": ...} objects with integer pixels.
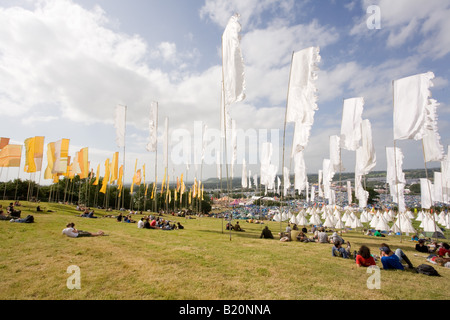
[{"x": 199, "y": 262}]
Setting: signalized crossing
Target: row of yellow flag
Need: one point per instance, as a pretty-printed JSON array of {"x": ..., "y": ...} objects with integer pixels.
[{"x": 59, "y": 164}]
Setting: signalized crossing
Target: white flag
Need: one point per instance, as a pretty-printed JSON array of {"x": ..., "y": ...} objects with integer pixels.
[
  {"x": 426, "y": 194},
  {"x": 244, "y": 174},
  {"x": 349, "y": 192},
  {"x": 351, "y": 123},
  {"x": 410, "y": 106},
  {"x": 287, "y": 181},
  {"x": 301, "y": 178},
  {"x": 153, "y": 127},
  {"x": 366, "y": 158},
  {"x": 119, "y": 124},
  {"x": 302, "y": 98},
  {"x": 335, "y": 153},
  {"x": 233, "y": 63},
  {"x": 394, "y": 173},
  {"x": 302, "y": 95}
]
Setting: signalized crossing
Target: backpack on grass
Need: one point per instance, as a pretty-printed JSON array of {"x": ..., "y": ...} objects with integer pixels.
[{"x": 427, "y": 270}]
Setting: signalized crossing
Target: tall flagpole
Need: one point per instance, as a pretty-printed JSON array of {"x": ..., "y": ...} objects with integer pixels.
[
  {"x": 284, "y": 138},
  {"x": 429, "y": 187},
  {"x": 225, "y": 137},
  {"x": 395, "y": 166},
  {"x": 123, "y": 172}
]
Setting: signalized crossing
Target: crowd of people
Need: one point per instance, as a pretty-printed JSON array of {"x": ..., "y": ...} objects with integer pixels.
[
  {"x": 152, "y": 222},
  {"x": 390, "y": 259}
]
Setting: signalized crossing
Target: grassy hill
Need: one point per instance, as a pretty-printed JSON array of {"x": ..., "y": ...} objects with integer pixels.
[{"x": 200, "y": 262}]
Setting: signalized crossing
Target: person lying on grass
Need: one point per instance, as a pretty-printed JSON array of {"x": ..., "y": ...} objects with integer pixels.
[
  {"x": 364, "y": 258},
  {"x": 393, "y": 260},
  {"x": 71, "y": 232}
]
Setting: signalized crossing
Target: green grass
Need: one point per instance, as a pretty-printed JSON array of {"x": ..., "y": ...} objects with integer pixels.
[{"x": 197, "y": 263}]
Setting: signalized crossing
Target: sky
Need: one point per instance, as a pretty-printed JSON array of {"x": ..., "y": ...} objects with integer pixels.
[{"x": 66, "y": 64}]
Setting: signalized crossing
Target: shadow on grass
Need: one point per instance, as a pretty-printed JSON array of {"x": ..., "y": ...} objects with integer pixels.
[{"x": 240, "y": 234}]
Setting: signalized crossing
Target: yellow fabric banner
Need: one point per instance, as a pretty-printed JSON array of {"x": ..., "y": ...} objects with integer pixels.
[
  {"x": 50, "y": 161},
  {"x": 114, "y": 167},
  {"x": 106, "y": 177},
  {"x": 83, "y": 162},
  {"x": 3, "y": 142},
  {"x": 10, "y": 156}
]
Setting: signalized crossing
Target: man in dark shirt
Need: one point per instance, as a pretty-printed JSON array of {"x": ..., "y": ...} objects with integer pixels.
[{"x": 266, "y": 233}]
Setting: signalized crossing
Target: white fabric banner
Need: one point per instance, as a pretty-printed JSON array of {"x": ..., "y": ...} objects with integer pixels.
[
  {"x": 394, "y": 172},
  {"x": 244, "y": 175},
  {"x": 119, "y": 124},
  {"x": 410, "y": 106},
  {"x": 153, "y": 127},
  {"x": 426, "y": 194},
  {"x": 302, "y": 98},
  {"x": 233, "y": 63},
  {"x": 366, "y": 158},
  {"x": 335, "y": 153},
  {"x": 287, "y": 181},
  {"x": 351, "y": 123},
  {"x": 300, "y": 172},
  {"x": 349, "y": 192}
]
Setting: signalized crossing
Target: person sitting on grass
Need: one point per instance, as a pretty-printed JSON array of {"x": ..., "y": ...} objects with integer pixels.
[
  {"x": 444, "y": 250},
  {"x": 71, "y": 232},
  {"x": 303, "y": 238},
  {"x": 378, "y": 234},
  {"x": 141, "y": 223},
  {"x": 237, "y": 227},
  {"x": 364, "y": 258},
  {"x": 422, "y": 247},
  {"x": 322, "y": 236},
  {"x": 336, "y": 237},
  {"x": 229, "y": 226},
  {"x": 338, "y": 251},
  {"x": 12, "y": 212},
  {"x": 180, "y": 226},
  {"x": 266, "y": 233}
]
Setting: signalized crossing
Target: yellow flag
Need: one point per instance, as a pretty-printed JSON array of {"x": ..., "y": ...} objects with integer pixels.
[
  {"x": 29, "y": 155},
  {"x": 106, "y": 177},
  {"x": 50, "y": 161},
  {"x": 189, "y": 197},
  {"x": 164, "y": 181},
  {"x": 114, "y": 167},
  {"x": 10, "y": 156},
  {"x": 83, "y": 161},
  {"x": 119, "y": 181},
  {"x": 199, "y": 190},
  {"x": 202, "y": 192},
  {"x": 194, "y": 191},
  {"x": 97, "y": 176}
]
